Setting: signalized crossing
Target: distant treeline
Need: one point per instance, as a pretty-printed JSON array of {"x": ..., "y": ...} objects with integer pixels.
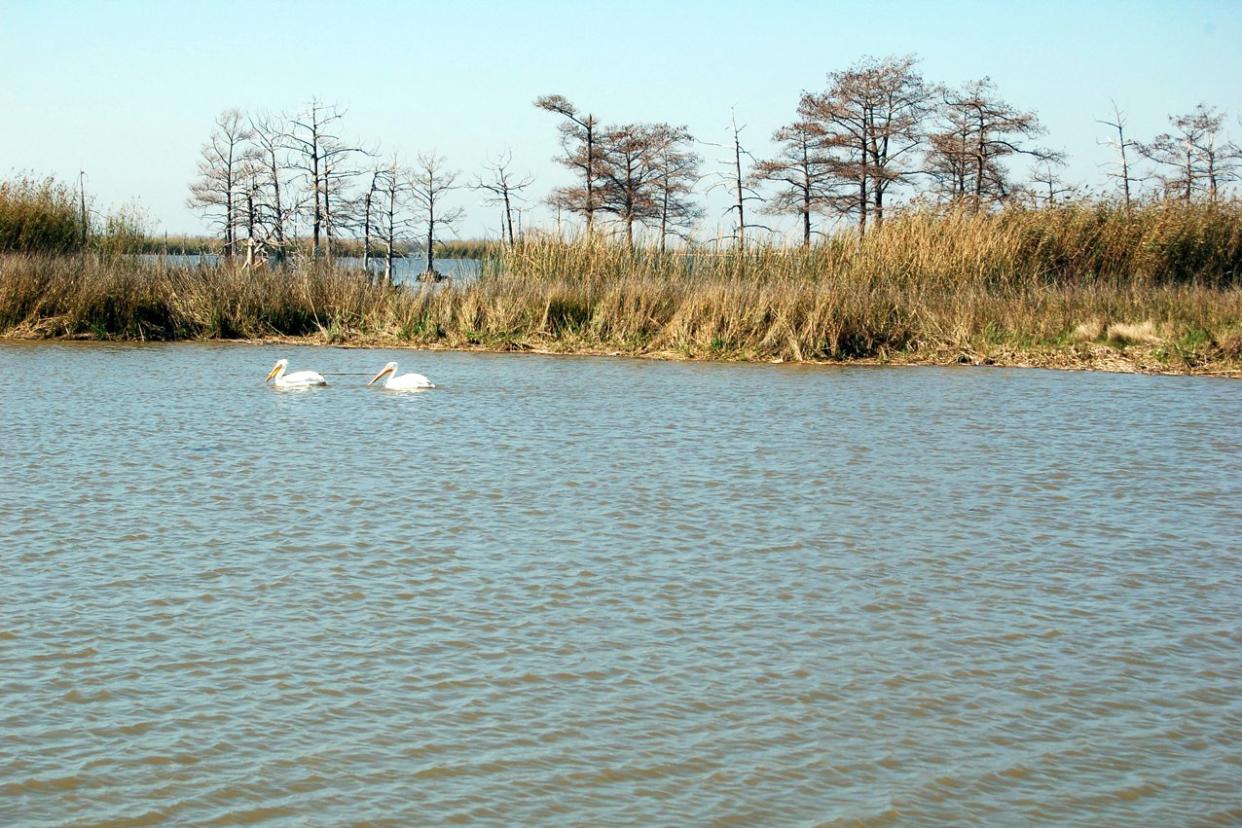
[{"x": 877, "y": 139}]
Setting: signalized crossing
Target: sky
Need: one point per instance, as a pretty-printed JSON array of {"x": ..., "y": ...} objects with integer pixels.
[{"x": 127, "y": 91}]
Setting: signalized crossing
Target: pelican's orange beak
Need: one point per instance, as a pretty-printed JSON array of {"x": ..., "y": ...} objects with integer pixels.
[
  {"x": 272, "y": 373},
  {"x": 380, "y": 374}
]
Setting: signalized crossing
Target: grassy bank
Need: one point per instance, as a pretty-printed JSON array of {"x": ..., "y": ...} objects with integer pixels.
[{"x": 1085, "y": 286}]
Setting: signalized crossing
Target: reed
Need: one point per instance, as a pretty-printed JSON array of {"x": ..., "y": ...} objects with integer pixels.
[
  {"x": 1083, "y": 284},
  {"x": 39, "y": 215},
  {"x": 46, "y": 216}
]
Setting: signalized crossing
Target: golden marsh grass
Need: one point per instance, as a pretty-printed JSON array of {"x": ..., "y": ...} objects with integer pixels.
[{"x": 1159, "y": 288}]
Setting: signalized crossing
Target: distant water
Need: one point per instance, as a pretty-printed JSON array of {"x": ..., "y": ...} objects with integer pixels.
[
  {"x": 588, "y": 591},
  {"x": 404, "y": 270}
]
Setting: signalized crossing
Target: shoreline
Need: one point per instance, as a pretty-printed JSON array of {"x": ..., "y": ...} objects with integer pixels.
[
  {"x": 1087, "y": 357},
  {"x": 1084, "y": 287}
]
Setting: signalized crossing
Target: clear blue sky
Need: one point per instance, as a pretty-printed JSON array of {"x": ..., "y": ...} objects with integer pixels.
[{"x": 127, "y": 90}]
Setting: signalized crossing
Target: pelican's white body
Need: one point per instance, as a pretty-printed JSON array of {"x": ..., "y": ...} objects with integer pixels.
[
  {"x": 298, "y": 379},
  {"x": 405, "y": 382}
]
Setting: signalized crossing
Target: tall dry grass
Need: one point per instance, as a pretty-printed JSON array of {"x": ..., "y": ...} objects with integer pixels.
[
  {"x": 925, "y": 283},
  {"x": 46, "y": 216},
  {"x": 39, "y": 215},
  {"x": 128, "y": 297}
]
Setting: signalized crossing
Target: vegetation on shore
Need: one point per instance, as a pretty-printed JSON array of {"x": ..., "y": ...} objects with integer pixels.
[
  {"x": 44, "y": 215},
  {"x": 1157, "y": 288},
  {"x": 955, "y": 254}
]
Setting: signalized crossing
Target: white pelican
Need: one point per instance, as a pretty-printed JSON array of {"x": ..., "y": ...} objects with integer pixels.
[
  {"x": 405, "y": 382},
  {"x": 298, "y": 379}
]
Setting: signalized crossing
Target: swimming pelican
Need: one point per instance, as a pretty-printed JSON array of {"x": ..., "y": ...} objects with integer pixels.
[
  {"x": 298, "y": 379},
  {"x": 405, "y": 382}
]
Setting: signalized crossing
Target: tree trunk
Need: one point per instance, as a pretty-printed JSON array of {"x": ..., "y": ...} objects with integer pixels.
[
  {"x": 980, "y": 159},
  {"x": 878, "y": 159},
  {"x": 250, "y": 222},
  {"x": 508, "y": 215},
  {"x": 1211, "y": 175},
  {"x": 863, "y": 178},
  {"x": 1125, "y": 166},
  {"x": 366, "y": 230},
  {"x": 1190, "y": 175},
  {"x": 392, "y": 231},
  {"x": 228, "y": 224},
  {"x": 327, "y": 213},
  {"x": 278, "y": 227},
  {"x": 431, "y": 240},
  {"x": 862, "y": 207},
  {"x": 741, "y": 205},
  {"x": 318, "y": 220},
  {"x": 664, "y": 215},
  {"x": 82, "y": 208},
  {"x": 806, "y": 216},
  {"x": 807, "y": 194},
  {"x": 590, "y": 176}
]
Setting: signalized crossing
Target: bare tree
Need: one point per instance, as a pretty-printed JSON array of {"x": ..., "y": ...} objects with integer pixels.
[
  {"x": 1121, "y": 144},
  {"x": 948, "y": 159},
  {"x": 804, "y": 171},
  {"x": 898, "y": 101},
  {"x": 429, "y": 183},
  {"x": 579, "y": 132},
  {"x": 676, "y": 173},
  {"x": 1195, "y": 157},
  {"x": 268, "y": 155},
  {"x": 842, "y": 134},
  {"x": 980, "y": 132},
  {"x": 385, "y": 216},
  {"x": 369, "y": 204},
  {"x": 627, "y": 173},
  {"x": 1217, "y": 156},
  {"x": 740, "y": 188},
  {"x": 1176, "y": 155},
  {"x": 249, "y": 211},
  {"x": 84, "y": 224},
  {"x": 870, "y": 121},
  {"x": 340, "y": 168},
  {"x": 215, "y": 191},
  {"x": 323, "y": 159},
  {"x": 505, "y": 187},
  {"x": 1050, "y": 183},
  {"x": 739, "y": 180},
  {"x": 304, "y": 138}
]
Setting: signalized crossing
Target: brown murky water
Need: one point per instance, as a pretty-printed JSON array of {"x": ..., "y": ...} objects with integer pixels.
[{"x": 585, "y": 591}]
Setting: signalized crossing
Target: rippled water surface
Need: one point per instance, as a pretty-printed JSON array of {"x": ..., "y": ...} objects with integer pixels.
[{"x": 590, "y": 591}]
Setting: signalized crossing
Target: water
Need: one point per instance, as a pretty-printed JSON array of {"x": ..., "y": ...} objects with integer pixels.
[
  {"x": 404, "y": 270},
  {"x": 591, "y": 591}
]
